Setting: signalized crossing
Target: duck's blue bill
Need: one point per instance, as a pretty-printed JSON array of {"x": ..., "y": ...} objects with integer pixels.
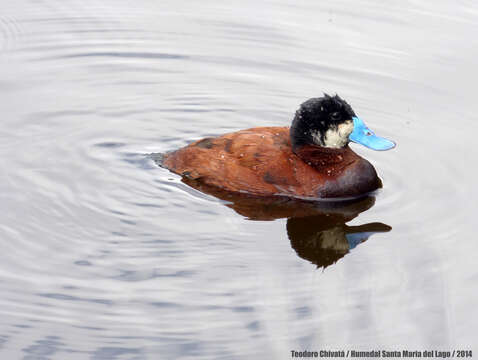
[{"x": 363, "y": 135}]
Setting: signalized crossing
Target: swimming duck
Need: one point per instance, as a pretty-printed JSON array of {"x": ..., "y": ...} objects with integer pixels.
[{"x": 309, "y": 160}]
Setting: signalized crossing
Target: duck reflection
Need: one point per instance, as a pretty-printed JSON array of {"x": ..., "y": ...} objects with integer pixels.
[
  {"x": 324, "y": 242},
  {"x": 317, "y": 230}
]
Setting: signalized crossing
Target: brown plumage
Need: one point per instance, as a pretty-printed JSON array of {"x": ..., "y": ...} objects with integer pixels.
[{"x": 260, "y": 161}]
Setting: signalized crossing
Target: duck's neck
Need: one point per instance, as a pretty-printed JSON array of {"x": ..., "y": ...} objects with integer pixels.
[{"x": 324, "y": 158}]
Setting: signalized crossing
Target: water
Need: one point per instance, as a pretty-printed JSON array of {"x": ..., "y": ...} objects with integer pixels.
[{"x": 106, "y": 256}]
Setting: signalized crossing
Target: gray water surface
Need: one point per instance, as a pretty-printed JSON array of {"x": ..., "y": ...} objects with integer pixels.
[{"x": 104, "y": 255}]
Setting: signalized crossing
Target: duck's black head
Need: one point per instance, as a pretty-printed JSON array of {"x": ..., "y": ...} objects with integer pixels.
[{"x": 325, "y": 121}]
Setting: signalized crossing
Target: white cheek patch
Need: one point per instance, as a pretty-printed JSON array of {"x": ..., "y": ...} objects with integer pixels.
[
  {"x": 316, "y": 138},
  {"x": 338, "y": 138}
]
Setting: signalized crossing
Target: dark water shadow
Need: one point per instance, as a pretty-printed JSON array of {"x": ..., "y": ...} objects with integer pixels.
[{"x": 317, "y": 230}]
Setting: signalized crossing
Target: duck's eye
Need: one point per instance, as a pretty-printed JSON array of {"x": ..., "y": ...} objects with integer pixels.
[{"x": 335, "y": 116}]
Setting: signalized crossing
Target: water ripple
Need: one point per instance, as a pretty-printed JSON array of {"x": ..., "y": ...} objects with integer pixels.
[{"x": 125, "y": 260}]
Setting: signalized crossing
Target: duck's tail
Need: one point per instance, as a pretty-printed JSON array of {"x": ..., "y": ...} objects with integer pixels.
[{"x": 158, "y": 158}]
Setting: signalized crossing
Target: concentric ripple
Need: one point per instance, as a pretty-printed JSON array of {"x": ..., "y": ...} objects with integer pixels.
[{"x": 107, "y": 256}]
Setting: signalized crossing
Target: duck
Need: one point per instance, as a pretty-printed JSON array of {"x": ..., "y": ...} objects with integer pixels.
[{"x": 311, "y": 159}]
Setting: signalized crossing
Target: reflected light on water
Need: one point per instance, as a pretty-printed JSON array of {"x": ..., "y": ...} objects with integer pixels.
[{"x": 106, "y": 256}]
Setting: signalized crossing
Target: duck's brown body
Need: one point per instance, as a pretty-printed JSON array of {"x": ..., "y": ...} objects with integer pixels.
[{"x": 260, "y": 161}]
